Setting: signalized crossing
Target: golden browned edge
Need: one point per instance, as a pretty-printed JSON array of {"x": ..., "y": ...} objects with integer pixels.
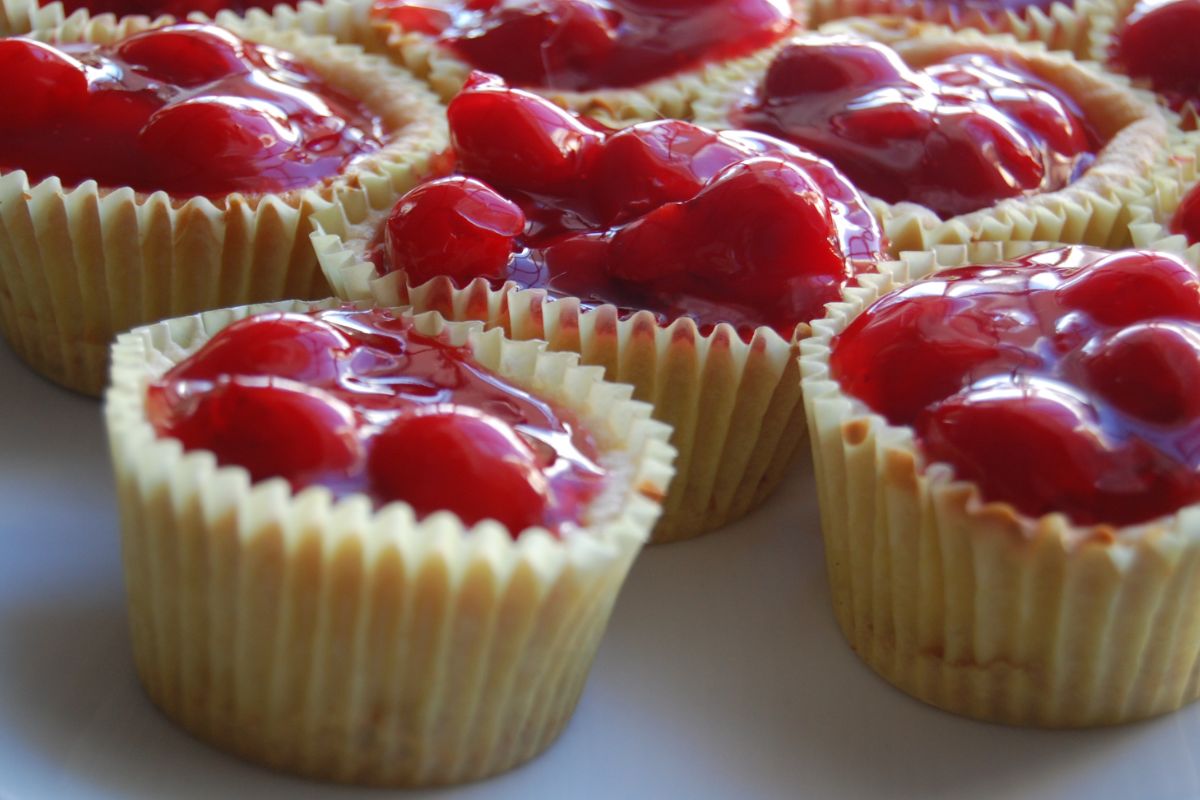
[
  {"x": 347, "y": 644},
  {"x": 971, "y": 606},
  {"x": 668, "y": 98},
  {"x": 734, "y": 406},
  {"x": 78, "y": 265},
  {"x": 1092, "y": 210}
]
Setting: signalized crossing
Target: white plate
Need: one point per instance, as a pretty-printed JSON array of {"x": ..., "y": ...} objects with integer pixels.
[{"x": 723, "y": 674}]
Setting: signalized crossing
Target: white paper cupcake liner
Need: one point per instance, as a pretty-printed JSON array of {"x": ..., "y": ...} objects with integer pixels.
[
  {"x": 973, "y": 607},
  {"x": 347, "y": 644}
]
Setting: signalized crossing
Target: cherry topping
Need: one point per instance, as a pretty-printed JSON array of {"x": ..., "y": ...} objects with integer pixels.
[
  {"x": 587, "y": 44},
  {"x": 1156, "y": 43},
  {"x": 188, "y": 109},
  {"x": 1129, "y": 287},
  {"x": 1150, "y": 370},
  {"x": 273, "y": 428},
  {"x": 518, "y": 140},
  {"x": 293, "y": 346},
  {"x": 51, "y": 82},
  {"x": 1066, "y": 381},
  {"x": 186, "y": 55},
  {"x": 454, "y": 226},
  {"x": 427, "y": 458},
  {"x": 733, "y": 227},
  {"x": 359, "y": 402},
  {"x": 955, "y": 137}
]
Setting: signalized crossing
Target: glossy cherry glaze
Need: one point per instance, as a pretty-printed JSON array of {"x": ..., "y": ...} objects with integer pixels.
[
  {"x": 1186, "y": 219},
  {"x": 360, "y": 402},
  {"x": 1066, "y": 381},
  {"x": 175, "y": 8},
  {"x": 592, "y": 44},
  {"x": 955, "y": 137},
  {"x": 729, "y": 227},
  {"x": 188, "y": 109},
  {"x": 1157, "y": 43}
]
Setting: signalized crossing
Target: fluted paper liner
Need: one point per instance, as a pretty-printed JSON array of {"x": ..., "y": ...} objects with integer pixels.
[
  {"x": 1173, "y": 176},
  {"x": 669, "y": 97},
  {"x": 22, "y": 16},
  {"x": 363, "y": 646},
  {"x": 79, "y": 264},
  {"x": 973, "y": 607},
  {"x": 1093, "y": 210},
  {"x": 734, "y": 406}
]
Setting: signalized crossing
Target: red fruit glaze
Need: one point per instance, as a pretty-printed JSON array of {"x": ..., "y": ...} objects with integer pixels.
[
  {"x": 359, "y": 402},
  {"x": 732, "y": 227},
  {"x": 175, "y": 8},
  {"x": 1066, "y": 381},
  {"x": 589, "y": 44},
  {"x": 1157, "y": 43},
  {"x": 187, "y": 109},
  {"x": 955, "y": 137}
]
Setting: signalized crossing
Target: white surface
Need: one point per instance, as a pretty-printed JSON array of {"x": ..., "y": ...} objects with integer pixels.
[{"x": 723, "y": 674}]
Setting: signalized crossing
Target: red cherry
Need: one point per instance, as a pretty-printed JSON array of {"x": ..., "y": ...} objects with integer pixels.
[
  {"x": 294, "y": 346},
  {"x": 212, "y": 146},
  {"x": 805, "y": 67},
  {"x": 454, "y": 226},
  {"x": 1132, "y": 286},
  {"x": 1158, "y": 43},
  {"x": 43, "y": 85},
  {"x": 906, "y": 354},
  {"x": 517, "y": 140},
  {"x": 119, "y": 113},
  {"x": 761, "y": 219},
  {"x": 462, "y": 461},
  {"x": 1151, "y": 371},
  {"x": 270, "y": 427},
  {"x": 1036, "y": 445},
  {"x": 186, "y": 55},
  {"x": 645, "y": 166}
]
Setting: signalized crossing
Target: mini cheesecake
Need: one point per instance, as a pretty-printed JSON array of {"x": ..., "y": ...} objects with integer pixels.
[
  {"x": 1009, "y": 496},
  {"x": 153, "y": 170},
  {"x": 370, "y": 547}
]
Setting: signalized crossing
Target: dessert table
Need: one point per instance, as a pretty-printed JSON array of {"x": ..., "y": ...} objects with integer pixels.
[{"x": 723, "y": 674}]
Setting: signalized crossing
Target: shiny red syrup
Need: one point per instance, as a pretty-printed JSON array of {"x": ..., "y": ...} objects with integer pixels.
[
  {"x": 592, "y": 44},
  {"x": 954, "y": 137},
  {"x": 175, "y": 8},
  {"x": 187, "y": 109},
  {"x": 360, "y": 402},
  {"x": 1186, "y": 219},
  {"x": 1066, "y": 381},
  {"x": 1158, "y": 43},
  {"x": 730, "y": 227}
]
